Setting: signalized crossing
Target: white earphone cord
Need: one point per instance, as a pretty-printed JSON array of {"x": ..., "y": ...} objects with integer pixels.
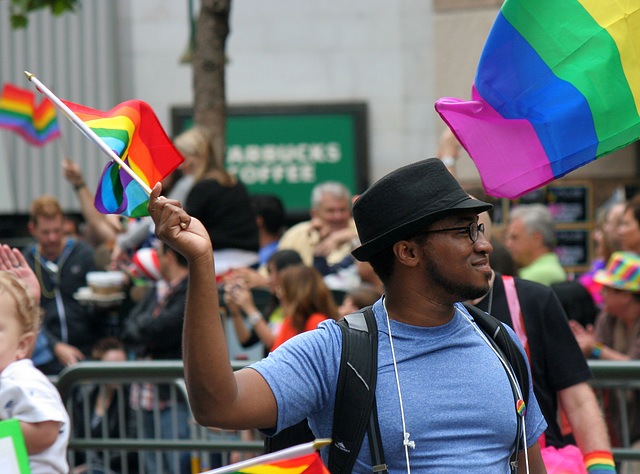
[{"x": 406, "y": 442}]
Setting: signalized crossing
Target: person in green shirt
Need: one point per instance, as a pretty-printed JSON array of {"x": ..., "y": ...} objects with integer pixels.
[{"x": 531, "y": 238}]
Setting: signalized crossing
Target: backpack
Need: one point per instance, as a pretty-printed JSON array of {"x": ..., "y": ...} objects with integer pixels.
[{"x": 355, "y": 409}]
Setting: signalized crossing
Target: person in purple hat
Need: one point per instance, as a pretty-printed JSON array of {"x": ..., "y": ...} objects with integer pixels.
[
  {"x": 616, "y": 334},
  {"x": 445, "y": 402}
]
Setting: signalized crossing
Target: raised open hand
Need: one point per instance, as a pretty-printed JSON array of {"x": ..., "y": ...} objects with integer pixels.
[
  {"x": 72, "y": 172},
  {"x": 12, "y": 261}
]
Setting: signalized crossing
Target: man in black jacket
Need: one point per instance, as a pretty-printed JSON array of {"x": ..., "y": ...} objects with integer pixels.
[
  {"x": 61, "y": 264},
  {"x": 154, "y": 328},
  {"x": 154, "y": 325}
]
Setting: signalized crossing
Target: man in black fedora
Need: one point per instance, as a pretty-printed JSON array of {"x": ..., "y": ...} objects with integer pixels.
[{"x": 444, "y": 400}]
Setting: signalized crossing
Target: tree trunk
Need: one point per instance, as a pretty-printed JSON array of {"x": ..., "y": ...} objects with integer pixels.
[{"x": 212, "y": 29}]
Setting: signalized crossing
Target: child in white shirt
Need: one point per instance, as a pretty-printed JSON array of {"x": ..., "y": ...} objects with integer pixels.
[{"x": 26, "y": 393}]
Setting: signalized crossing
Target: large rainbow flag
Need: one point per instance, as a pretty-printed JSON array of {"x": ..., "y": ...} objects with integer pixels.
[
  {"x": 557, "y": 86},
  {"x": 134, "y": 133},
  {"x": 18, "y": 112}
]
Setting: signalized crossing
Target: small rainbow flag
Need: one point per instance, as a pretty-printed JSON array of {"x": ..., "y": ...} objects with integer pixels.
[
  {"x": 557, "y": 86},
  {"x": 18, "y": 112},
  {"x": 303, "y": 458},
  {"x": 134, "y": 133},
  {"x": 309, "y": 464}
]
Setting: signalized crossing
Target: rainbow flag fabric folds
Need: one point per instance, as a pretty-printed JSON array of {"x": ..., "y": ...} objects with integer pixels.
[
  {"x": 307, "y": 464},
  {"x": 134, "y": 133},
  {"x": 18, "y": 112},
  {"x": 557, "y": 86}
]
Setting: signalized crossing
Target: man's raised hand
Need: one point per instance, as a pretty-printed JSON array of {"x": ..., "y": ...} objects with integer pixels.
[{"x": 176, "y": 228}]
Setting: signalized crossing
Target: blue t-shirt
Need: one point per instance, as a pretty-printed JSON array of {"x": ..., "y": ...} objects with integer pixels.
[{"x": 458, "y": 403}]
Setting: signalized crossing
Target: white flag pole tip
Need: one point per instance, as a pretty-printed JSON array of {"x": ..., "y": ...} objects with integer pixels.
[{"x": 321, "y": 443}]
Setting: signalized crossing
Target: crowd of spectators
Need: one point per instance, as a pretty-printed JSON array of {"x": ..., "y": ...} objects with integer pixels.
[
  {"x": 268, "y": 291},
  {"x": 276, "y": 282}
]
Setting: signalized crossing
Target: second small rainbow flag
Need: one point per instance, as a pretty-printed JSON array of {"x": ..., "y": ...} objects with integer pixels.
[
  {"x": 307, "y": 464},
  {"x": 18, "y": 112},
  {"x": 301, "y": 459}
]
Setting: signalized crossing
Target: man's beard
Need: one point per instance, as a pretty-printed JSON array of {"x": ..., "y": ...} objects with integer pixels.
[{"x": 464, "y": 291}]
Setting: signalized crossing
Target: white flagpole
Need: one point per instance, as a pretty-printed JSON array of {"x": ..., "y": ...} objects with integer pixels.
[
  {"x": 90, "y": 134},
  {"x": 289, "y": 453}
]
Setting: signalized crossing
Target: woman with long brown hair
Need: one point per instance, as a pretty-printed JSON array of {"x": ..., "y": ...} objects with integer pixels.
[{"x": 306, "y": 301}]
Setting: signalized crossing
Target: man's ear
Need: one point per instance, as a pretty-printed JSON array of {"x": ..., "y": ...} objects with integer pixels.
[
  {"x": 32, "y": 228},
  {"x": 407, "y": 252},
  {"x": 26, "y": 345},
  {"x": 538, "y": 239}
]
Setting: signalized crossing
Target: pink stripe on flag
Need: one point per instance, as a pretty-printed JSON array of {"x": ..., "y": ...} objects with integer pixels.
[{"x": 507, "y": 153}]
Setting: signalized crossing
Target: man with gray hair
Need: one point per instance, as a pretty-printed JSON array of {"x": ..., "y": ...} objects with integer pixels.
[
  {"x": 531, "y": 238},
  {"x": 330, "y": 232}
]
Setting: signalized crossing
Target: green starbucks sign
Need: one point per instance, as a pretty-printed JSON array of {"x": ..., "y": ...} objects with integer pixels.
[{"x": 287, "y": 150}]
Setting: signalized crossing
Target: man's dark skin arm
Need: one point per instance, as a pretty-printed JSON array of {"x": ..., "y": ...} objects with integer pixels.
[
  {"x": 536, "y": 465},
  {"x": 218, "y": 396}
]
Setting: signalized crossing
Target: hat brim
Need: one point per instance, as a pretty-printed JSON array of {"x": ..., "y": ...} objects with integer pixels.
[
  {"x": 605, "y": 278},
  {"x": 368, "y": 249}
]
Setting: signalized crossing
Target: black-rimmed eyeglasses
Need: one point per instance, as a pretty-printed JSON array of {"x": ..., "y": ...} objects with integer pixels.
[{"x": 472, "y": 230}]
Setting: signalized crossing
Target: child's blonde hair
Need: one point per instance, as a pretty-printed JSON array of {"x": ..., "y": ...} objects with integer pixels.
[{"x": 26, "y": 308}]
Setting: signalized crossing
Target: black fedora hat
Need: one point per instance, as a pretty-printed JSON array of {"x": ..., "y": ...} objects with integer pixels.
[{"x": 404, "y": 202}]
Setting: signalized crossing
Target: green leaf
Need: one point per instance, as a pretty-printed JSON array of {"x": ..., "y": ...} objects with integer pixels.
[
  {"x": 20, "y": 8},
  {"x": 18, "y": 21},
  {"x": 58, "y": 7}
]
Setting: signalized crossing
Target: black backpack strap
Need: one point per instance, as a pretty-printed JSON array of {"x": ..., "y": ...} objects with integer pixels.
[
  {"x": 355, "y": 393},
  {"x": 375, "y": 442},
  {"x": 508, "y": 349},
  {"x": 496, "y": 331}
]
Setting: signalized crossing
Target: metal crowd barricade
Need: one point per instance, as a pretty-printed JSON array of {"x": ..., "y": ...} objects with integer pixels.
[
  {"x": 202, "y": 443},
  {"x": 615, "y": 376},
  {"x": 619, "y": 377}
]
